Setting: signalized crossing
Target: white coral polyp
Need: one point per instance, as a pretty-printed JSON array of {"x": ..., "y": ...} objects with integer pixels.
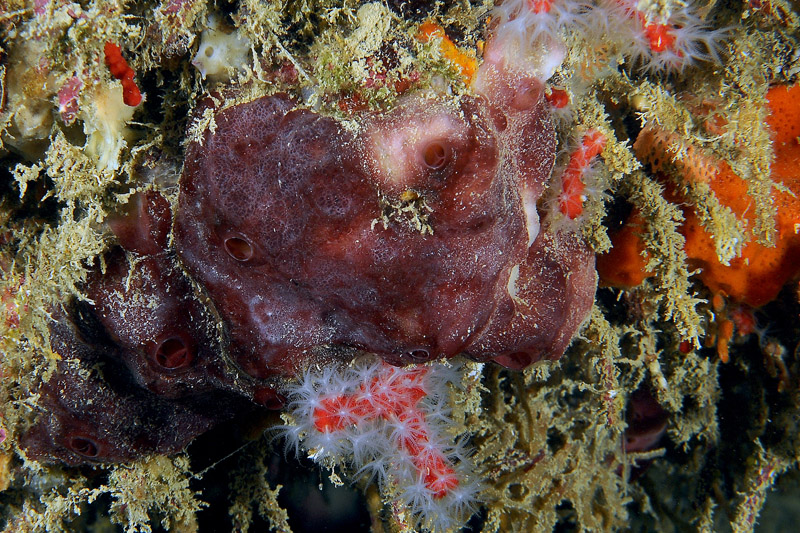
[{"x": 105, "y": 124}]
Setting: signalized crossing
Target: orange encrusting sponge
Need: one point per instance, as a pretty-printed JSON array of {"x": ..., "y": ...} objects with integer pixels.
[
  {"x": 624, "y": 265},
  {"x": 465, "y": 61},
  {"x": 757, "y": 276}
]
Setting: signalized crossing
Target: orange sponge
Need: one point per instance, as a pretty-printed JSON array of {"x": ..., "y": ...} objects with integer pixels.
[
  {"x": 757, "y": 276},
  {"x": 465, "y": 61}
]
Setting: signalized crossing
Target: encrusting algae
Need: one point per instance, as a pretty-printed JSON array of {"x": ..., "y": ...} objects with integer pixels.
[{"x": 675, "y": 407}]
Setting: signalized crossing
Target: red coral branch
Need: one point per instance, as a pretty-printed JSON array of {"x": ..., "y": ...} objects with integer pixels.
[
  {"x": 393, "y": 396},
  {"x": 122, "y": 71}
]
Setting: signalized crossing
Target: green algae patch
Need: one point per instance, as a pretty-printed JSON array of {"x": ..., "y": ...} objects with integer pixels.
[
  {"x": 141, "y": 491},
  {"x": 553, "y": 436}
]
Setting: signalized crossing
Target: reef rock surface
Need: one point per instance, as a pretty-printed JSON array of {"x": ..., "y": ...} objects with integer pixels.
[{"x": 299, "y": 238}]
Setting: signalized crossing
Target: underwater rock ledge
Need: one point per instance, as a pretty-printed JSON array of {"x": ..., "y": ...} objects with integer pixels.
[{"x": 365, "y": 234}]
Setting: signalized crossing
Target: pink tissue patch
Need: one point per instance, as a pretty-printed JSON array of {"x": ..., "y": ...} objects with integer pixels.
[{"x": 68, "y": 96}]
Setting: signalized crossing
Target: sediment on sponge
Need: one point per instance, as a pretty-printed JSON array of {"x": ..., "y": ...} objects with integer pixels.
[{"x": 391, "y": 426}]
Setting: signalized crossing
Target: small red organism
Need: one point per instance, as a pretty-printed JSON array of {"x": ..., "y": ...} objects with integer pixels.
[
  {"x": 744, "y": 319},
  {"x": 116, "y": 63},
  {"x": 660, "y": 37},
  {"x": 572, "y": 197},
  {"x": 122, "y": 71},
  {"x": 558, "y": 98},
  {"x": 130, "y": 92},
  {"x": 540, "y": 6}
]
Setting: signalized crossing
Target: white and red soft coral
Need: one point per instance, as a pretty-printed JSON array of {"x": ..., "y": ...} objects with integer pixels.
[
  {"x": 527, "y": 37},
  {"x": 659, "y": 42},
  {"x": 530, "y": 35},
  {"x": 533, "y": 20},
  {"x": 391, "y": 425},
  {"x": 574, "y": 184}
]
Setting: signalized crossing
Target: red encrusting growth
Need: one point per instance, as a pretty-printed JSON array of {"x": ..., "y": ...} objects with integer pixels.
[
  {"x": 572, "y": 197},
  {"x": 393, "y": 395},
  {"x": 558, "y": 98},
  {"x": 122, "y": 71},
  {"x": 757, "y": 276}
]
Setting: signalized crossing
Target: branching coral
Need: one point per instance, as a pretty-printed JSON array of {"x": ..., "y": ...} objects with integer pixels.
[{"x": 389, "y": 425}]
